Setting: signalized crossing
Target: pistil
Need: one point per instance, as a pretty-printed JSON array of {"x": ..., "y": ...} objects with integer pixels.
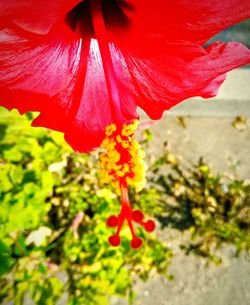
[
  {"x": 101, "y": 37},
  {"x": 122, "y": 166},
  {"x": 122, "y": 160}
]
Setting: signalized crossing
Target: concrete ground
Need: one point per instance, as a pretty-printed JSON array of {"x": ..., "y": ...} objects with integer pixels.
[
  {"x": 217, "y": 129},
  {"x": 208, "y": 132},
  {"x": 197, "y": 283},
  {"x": 224, "y": 147}
]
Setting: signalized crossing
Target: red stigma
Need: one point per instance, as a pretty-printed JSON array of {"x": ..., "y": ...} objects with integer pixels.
[{"x": 127, "y": 214}]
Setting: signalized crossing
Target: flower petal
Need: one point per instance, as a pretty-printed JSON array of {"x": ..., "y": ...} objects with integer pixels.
[
  {"x": 33, "y": 16},
  {"x": 32, "y": 71},
  {"x": 87, "y": 130},
  {"x": 44, "y": 78},
  {"x": 193, "y": 21},
  {"x": 167, "y": 79}
]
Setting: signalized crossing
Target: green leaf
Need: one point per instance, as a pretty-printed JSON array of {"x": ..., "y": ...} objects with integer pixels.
[
  {"x": 13, "y": 154},
  {"x": 6, "y": 260}
]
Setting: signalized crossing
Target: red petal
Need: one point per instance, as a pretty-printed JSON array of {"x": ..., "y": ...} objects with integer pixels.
[
  {"x": 43, "y": 78},
  {"x": 32, "y": 71},
  {"x": 41, "y": 66},
  {"x": 194, "y": 21},
  {"x": 34, "y": 16},
  {"x": 41, "y": 74},
  {"x": 165, "y": 80},
  {"x": 94, "y": 112}
]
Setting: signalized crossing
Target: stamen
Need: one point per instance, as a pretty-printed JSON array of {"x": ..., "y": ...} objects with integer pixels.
[{"x": 122, "y": 166}]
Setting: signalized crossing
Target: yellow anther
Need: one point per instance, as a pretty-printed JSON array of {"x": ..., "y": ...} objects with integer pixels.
[
  {"x": 110, "y": 165},
  {"x": 110, "y": 130},
  {"x": 125, "y": 144},
  {"x": 120, "y": 173},
  {"x": 127, "y": 132},
  {"x": 141, "y": 153},
  {"x": 111, "y": 145},
  {"x": 103, "y": 164},
  {"x": 133, "y": 153},
  {"x": 118, "y": 139},
  {"x": 129, "y": 180},
  {"x": 117, "y": 167},
  {"x": 135, "y": 145},
  {"x": 125, "y": 168},
  {"x": 103, "y": 155},
  {"x": 112, "y": 154},
  {"x": 105, "y": 143},
  {"x": 123, "y": 160},
  {"x": 135, "y": 124}
]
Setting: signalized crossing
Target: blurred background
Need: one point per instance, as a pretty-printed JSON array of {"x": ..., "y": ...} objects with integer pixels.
[{"x": 53, "y": 237}]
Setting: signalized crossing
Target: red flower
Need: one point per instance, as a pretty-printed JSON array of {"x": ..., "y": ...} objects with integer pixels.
[
  {"x": 85, "y": 65},
  {"x": 49, "y": 64}
]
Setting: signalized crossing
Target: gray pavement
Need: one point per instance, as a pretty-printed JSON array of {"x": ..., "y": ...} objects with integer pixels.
[
  {"x": 209, "y": 128},
  {"x": 197, "y": 283},
  {"x": 233, "y": 99},
  {"x": 224, "y": 147}
]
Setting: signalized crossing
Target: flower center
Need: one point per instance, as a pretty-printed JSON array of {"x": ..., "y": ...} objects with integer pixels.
[
  {"x": 122, "y": 166},
  {"x": 113, "y": 12}
]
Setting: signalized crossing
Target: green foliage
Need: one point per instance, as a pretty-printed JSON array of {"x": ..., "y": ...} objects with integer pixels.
[{"x": 52, "y": 223}]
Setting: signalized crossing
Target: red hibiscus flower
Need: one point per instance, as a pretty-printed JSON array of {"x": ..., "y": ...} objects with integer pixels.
[{"x": 86, "y": 66}]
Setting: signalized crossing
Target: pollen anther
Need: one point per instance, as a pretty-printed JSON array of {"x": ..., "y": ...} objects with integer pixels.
[{"x": 123, "y": 159}]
